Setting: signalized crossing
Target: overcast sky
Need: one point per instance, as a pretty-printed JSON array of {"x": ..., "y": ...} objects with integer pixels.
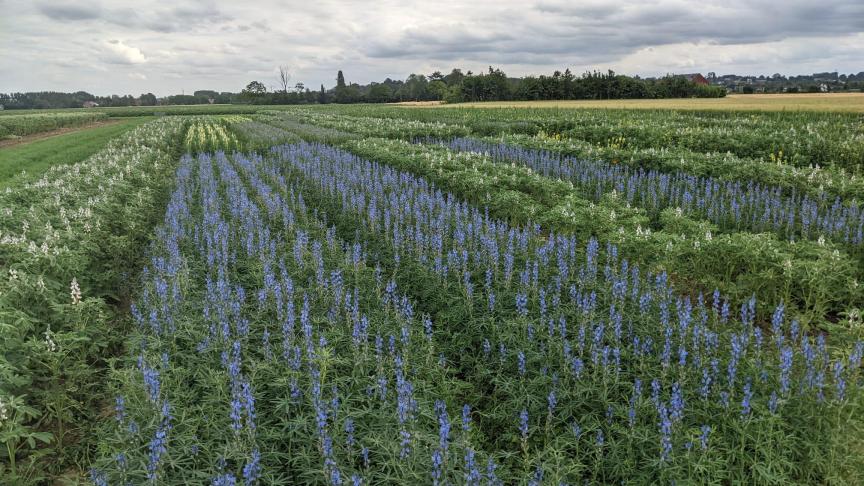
[{"x": 170, "y": 46}]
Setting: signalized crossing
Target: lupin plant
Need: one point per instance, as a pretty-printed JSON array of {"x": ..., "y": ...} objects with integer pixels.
[
  {"x": 701, "y": 344},
  {"x": 310, "y": 316},
  {"x": 221, "y": 225},
  {"x": 703, "y": 224},
  {"x": 69, "y": 237},
  {"x": 732, "y": 206},
  {"x": 695, "y": 247}
]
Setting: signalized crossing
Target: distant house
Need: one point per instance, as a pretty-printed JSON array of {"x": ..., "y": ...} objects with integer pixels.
[
  {"x": 90, "y": 104},
  {"x": 695, "y": 78}
]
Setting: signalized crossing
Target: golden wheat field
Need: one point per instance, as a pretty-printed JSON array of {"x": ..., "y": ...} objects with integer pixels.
[{"x": 839, "y": 102}]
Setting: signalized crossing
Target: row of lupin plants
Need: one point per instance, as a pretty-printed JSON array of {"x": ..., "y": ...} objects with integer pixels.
[
  {"x": 255, "y": 135},
  {"x": 759, "y": 255},
  {"x": 817, "y": 182},
  {"x": 268, "y": 351},
  {"x": 798, "y": 139},
  {"x": 405, "y": 129},
  {"x": 741, "y": 205},
  {"x": 581, "y": 367},
  {"x": 803, "y": 209},
  {"x": 68, "y": 242},
  {"x": 305, "y": 130},
  {"x": 813, "y": 278},
  {"x": 739, "y": 263},
  {"x": 211, "y": 133},
  {"x": 770, "y": 169},
  {"x": 814, "y": 140},
  {"x": 732, "y": 206},
  {"x": 20, "y": 125}
]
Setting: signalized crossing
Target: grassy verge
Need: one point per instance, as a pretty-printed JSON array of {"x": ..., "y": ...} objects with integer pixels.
[{"x": 69, "y": 148}]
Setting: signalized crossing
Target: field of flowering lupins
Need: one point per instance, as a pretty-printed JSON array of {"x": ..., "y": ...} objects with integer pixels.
[{"x": 346, "y": 296}]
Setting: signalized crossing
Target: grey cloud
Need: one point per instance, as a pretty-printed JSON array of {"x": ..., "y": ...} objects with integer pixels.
[
  {"x": 198, "y": 11},
  {"x": 445, "y": 43},
  {"x": 726, "y": 22},
  {"x": 584, "y": 10},
  {"x": 224, "y": 44},
  {"x": 593, "y": 32},
  {"x": 156, "y": 18},
  {"x": 64, "y": 12}
]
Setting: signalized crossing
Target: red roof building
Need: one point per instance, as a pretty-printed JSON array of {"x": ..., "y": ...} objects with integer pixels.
[{"x": 696, "y": 78}]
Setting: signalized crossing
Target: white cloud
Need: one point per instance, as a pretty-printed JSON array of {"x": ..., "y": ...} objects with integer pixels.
[
  {"x": 138, "y": 76},
  {"x": 117, "y": 52}
]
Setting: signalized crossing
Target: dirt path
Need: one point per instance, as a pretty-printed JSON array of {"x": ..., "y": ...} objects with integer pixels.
[{"x": 53, "y": 133}]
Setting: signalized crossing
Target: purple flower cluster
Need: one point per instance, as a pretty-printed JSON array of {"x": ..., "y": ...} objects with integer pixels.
[{"x": 729, "y": 204}]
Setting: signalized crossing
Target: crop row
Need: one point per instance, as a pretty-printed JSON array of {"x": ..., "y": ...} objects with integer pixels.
[
  {"x": 374, "y": 126},
  {"x": 305, "y": 130},
  {"x": 266, "y": 349},
  {"x": 210, "y": 133},
  {"x": 492, "y": 302},
  {"x": 21, "y": 125},
  {"x": 274, "y": 347},
  {"x": 797, "y": 139},
  {"x": 733, "y": 206},
  {"x": 68, "y": 241},
  {"x": 817, "y": 182},
  {"x": 255, "y": 135},
  {"x": 703, "y": 232},
  {"x": 815, "y": 279}
]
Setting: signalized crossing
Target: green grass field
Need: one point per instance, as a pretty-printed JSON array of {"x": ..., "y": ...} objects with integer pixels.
[{"x": 37, "y": 156}]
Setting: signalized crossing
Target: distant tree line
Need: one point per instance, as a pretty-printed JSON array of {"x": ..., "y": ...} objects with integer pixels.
[
  {"x": 456, "y": 87},
  {"x": 493, "y": 85},
  {"x": 56, "y": 100}
]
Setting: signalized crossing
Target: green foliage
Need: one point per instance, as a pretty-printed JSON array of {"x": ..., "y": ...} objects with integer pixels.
[
  {"x": 629, "y": 138},
  {"x": 211, "y": 134},
  {"x": 71, "y": 239},
  {"x": 255, "y": 135},
  {"x": 764, "y": 268},
  {"x": 305, "y": 131},
  {"x": 372, "y": 126},
  {"x": 802, "y": 442},
  {"x": 810, "y": 148},
  {"x": 723, "y": 166},
  {"x": 21, "y": 125},
  {"x": 32, "y": 158},
  {"x": 74, "y": 239}
]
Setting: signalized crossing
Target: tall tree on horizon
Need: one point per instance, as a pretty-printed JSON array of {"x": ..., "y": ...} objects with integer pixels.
[
  {"x": 322, "y": 96},
  {"x": 340, "y": 79},
  {"x": 284, "y": 77}
]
